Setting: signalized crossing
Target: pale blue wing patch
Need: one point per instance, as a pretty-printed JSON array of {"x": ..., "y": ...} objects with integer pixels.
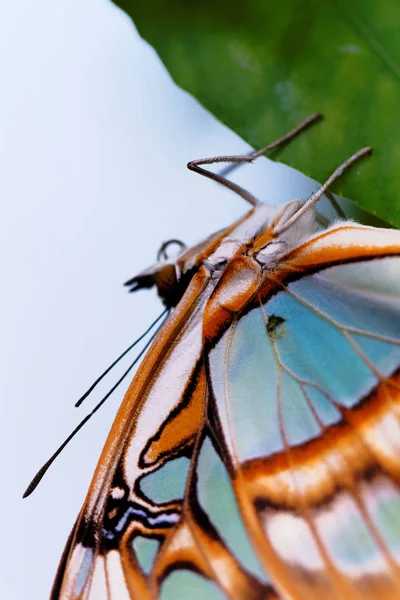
[
  {"x": 217, "y": 498},
  {"x": 167, "y": 483},
  {"x": 290, "y": 356},
  {"x": 146, "y": 550},
  {"x": 186, "y": 584}
]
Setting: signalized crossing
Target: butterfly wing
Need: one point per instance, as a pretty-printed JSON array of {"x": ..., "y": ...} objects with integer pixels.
[
  {"x": 98, "y": 561},
  {"x": 306, "y": 409}
]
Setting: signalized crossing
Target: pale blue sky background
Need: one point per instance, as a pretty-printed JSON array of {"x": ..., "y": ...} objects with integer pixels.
[{"x": 94, "y": 139}]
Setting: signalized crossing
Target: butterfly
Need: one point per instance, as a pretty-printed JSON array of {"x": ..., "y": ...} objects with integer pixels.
[{"x": 256, "y": 454}]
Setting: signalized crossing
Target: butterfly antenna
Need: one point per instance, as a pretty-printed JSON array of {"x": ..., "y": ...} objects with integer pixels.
[
  {"x": 194, "y": 165},
  {"x": 40, "y": 474},
  {"x": 139, "y": 339},
  {"x": 318, "y": 194},
  {"x": 279, "y": 143}
]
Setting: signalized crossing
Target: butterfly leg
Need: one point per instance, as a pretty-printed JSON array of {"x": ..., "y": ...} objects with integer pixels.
[{"x": 194, "y": 165}]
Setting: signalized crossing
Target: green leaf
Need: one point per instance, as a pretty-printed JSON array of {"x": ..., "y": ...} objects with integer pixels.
[{"x": 262, "y": 67}]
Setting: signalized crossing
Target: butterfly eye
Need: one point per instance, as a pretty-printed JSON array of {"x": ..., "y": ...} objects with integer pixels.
[
  {"x": 163, "y": 253},
  {"x": 164, "y": 274}
]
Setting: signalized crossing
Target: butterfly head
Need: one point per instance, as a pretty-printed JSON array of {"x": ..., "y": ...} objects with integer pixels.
[{"x": 163, "y": 275}]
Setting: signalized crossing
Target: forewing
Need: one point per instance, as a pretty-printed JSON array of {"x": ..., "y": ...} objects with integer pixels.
[
  {"x": 121, "y": 528},
  {"x": 306, "y": 409}
]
